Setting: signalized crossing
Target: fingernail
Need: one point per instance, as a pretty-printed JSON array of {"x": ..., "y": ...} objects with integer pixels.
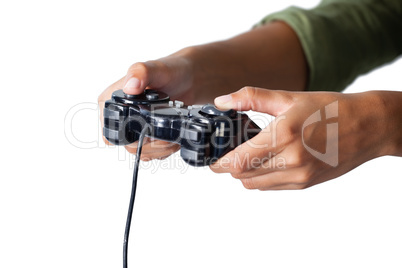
[
  {"x": 222, "y": 100},
  {"x": 132, "y": 85}
]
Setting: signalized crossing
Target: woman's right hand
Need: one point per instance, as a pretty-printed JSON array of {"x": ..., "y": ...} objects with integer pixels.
[{"x": 172, "y": 75}]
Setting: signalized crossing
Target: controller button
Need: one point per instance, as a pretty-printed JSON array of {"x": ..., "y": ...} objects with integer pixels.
[
  {"x": 147, "y": 91},
  {"x": 190, "y": 134},
  {"x": 209, "y": 109},
  {"x": 178, "y": 104},
  {"x": 190, "y": 155}
]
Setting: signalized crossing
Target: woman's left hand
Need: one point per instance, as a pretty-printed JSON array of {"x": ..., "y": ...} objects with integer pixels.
[{"x": 315, "y": 137}]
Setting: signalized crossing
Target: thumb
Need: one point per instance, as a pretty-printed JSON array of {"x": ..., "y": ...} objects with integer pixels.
[
  {"x": 145, "y": 74},
  {"x": 273, "y": 102}
]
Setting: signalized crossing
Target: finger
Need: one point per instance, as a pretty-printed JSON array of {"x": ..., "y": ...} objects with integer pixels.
[
  {"x": 276, "y": 163},
  {"x": 156, "y": 148},
  {"x": 107, "y": 93},
  {"x": 273, "y": 102},
  {"x": 105, "y": 140},
  {"x": 158, "y": 145},
  {"x": 153, "y": 149},
  {"x": 132, "y": 147},
  {"x": 285, "y": 186},
  {"x": 141, "y": 75},
  {"x": 295, "y": 177},
  {"x": 255, "y": 151},
  {"x": 159, "y": 155},
  {"x": 150, "y": 146}
]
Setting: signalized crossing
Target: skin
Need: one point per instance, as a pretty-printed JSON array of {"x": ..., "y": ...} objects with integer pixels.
[
  {"x": 271, "y": 56},
  {"x": 287, "y": 163}
]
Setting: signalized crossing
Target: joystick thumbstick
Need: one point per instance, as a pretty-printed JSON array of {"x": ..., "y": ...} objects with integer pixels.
[
  {"x": 148, "y": 97},
  {"x": 211, "y": 110},
  {"x": 152, "y": 96},
  {"x": 129, "y": 96}
]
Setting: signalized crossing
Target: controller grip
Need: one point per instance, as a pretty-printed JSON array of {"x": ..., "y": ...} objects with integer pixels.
[
  {"x": 213, "y": 145},
  {"x": 119, "y": 128},
  {"x": 252, "y": 129}
]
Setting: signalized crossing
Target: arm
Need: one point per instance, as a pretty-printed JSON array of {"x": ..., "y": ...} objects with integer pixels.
[
  {"x": 343, "y": 39},
  {"x": 392, "y": 104},
  {"x": 270, "y": 56},
  {"x": 275, "y": 55}
]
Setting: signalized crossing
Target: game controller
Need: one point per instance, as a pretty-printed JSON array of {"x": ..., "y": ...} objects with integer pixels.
[{"x": 204, "y": 132}]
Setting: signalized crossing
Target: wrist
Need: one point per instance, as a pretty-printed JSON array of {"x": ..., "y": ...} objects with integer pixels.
[
  {"x": 381, "y": 115},
  {"x": 391, "y": 112},
  {"x": 366, "y": 127},
  {"x": 192, "y": 69},
  {"x": 211, "y": 76}
]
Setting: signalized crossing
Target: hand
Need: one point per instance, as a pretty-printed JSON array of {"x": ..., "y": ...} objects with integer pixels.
[
  {"x": 315, "y": 137},
  {"x": 173, "y": 75}
]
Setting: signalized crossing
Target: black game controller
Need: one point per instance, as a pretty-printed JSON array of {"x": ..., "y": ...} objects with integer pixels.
[{"x": 204, "y": 132}]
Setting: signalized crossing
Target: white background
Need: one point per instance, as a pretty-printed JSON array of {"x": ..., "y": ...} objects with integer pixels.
[{"x": 63, "y": 206}]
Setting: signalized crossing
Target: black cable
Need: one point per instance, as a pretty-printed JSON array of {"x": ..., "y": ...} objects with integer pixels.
[{"x": 132, "y": 198}]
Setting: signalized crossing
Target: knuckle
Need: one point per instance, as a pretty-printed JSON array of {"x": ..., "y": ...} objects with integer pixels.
[
  {"x": 249, "y": 184},
  {"x": 225, "y": 164},
  {"x": 302, "y": 180},
  {"x": 219, "y": 167},
  {"x": 238, "y": 175},
  {"x": 137, "y": 66},
  {"x": 282, "y": 134},
  {"x": 249, "y": 91},
  {"x": 301, "y": 187},
  {"x": 238, "y": 169},
  {"x": 146, "y": 158},
  {"x": 214, "y": 168},
  {"x": 298, "y": 158},
  {"x": 131, "y": 149},
  {"x": 289, "y": 133}
]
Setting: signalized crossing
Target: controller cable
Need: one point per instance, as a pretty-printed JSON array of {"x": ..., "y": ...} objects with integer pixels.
[{"x": 144, "y": 132}]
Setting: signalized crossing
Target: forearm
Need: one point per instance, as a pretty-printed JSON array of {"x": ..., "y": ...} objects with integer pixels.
[{"x": 270, "y": 56}]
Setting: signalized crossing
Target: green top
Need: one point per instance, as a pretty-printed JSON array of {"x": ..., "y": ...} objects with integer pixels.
[{"x": 345, "y": 38}]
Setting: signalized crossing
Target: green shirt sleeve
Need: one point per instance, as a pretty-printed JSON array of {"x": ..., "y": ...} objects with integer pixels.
[{"x": 345, "y": 38}]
